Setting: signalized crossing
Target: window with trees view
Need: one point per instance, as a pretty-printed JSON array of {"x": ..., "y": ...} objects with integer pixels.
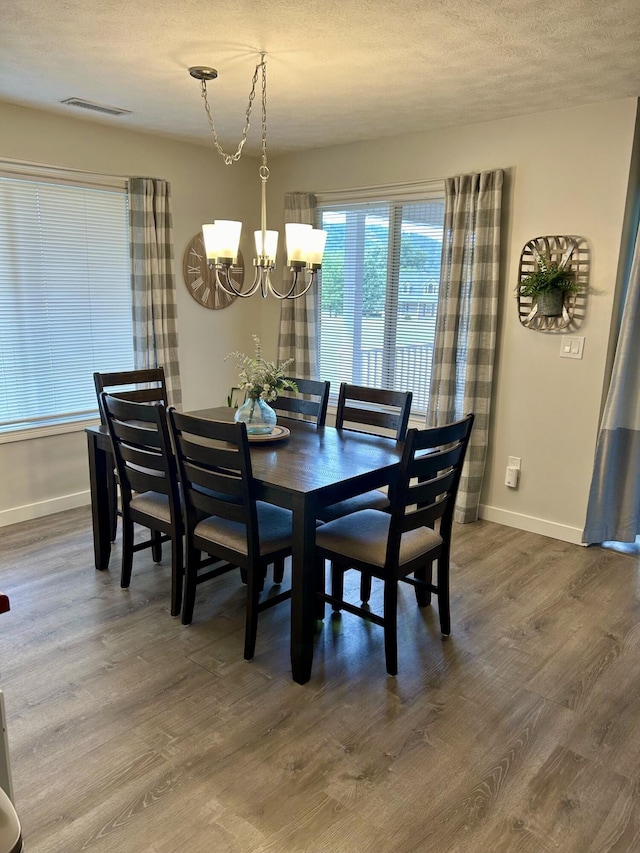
[{"x": 379, "y": 294}]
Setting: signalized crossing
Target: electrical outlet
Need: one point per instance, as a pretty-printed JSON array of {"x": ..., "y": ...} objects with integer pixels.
[{"x": 514, "y": 462}]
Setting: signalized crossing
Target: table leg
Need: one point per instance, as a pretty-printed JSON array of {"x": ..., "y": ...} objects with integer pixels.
[
  {"x": 98, "y": 462},
  {"x": 302, "y": 588}
]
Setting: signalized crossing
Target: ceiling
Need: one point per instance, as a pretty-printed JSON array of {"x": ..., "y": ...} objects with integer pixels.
[{"x": 338, "y": 70}]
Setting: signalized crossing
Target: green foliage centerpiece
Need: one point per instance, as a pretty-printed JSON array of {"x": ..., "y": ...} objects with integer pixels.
[{"x": 261, "y": 382}]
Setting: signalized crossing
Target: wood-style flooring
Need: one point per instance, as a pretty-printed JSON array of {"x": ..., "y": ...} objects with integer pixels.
[{"x": 130, "y": 733}]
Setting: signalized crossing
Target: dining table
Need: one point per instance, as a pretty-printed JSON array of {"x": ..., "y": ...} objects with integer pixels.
[{"x": 303, "y": 468}]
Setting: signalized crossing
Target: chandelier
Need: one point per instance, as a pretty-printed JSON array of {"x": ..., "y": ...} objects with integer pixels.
[{"x": 305, "y": 244}]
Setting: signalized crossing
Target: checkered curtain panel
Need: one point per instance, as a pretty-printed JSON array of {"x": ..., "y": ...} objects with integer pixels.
[
  {"x": 463, "y": 356},
  {"x": 298, "y": 337},
  {"x": 153, "y": 284},
  {"x": 613, "y": 511}
]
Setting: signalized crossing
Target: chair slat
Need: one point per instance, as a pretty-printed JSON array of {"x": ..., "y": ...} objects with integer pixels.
[
  {"x": 379, "y": 408},
  {"x": 312, "y": 407}
]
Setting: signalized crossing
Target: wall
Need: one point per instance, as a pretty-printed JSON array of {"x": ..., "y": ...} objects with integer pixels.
[
  {"x": 50, "y": 474},
  {"x": 567, "y": 174}
]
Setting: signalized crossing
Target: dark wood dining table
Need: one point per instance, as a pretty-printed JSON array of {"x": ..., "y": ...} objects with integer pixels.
[{"x": 310, "y": 469}]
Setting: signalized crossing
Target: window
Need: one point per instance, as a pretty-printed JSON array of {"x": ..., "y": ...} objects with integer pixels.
[
  {"x": 379, "y": 293},
  {"x": 65, "y": 297}
]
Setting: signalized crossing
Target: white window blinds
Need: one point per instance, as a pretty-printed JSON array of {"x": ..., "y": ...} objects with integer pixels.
[
  {"x": 379, "y": 294},
  {"x": 65, "y": 298}
]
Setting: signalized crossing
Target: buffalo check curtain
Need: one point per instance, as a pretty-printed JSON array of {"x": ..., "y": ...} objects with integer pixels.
[
  {"x": 298, "y": 337},
  {"x": 462, "y": 372},
  {"x": 153, "y": 284}
]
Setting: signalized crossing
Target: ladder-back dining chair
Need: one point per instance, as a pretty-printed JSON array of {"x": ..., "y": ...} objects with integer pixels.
[
  {"x": 149, "y": 488},
  {"x": 146, "y": 385},
  {"x": 150, "y": 386},
  {"x": 382, "y": 412},
  {"x": 309, "y": 404},
  {"x": 404, "y": 543},
  {"x": 222, "y": 517}
]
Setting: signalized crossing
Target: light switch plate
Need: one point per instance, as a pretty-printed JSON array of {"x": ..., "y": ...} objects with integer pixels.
[{"x": 571, "y": 347}]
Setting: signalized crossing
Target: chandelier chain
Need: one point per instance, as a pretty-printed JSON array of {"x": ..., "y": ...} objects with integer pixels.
[
  {"x": 265, "y": 170},
  {"x": 232, "y": 158}
]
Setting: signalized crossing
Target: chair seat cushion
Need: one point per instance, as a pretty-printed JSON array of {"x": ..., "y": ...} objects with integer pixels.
[
  {"x": 375, "y": 499},
  {"x": 363, "y": 536},
  {"x": 274, "y": 524},
  {"x": 152, "y": 503}
]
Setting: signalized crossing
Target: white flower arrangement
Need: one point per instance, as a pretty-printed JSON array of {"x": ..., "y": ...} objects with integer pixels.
[{"x": 260, "y": 379}]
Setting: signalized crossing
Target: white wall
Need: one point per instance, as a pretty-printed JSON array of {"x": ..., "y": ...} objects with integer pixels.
[
  {"x": 567, "y": 174},
  {"x": 50, "y": 474}
]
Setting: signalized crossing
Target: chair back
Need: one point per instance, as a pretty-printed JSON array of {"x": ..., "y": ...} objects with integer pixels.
[
  {"x": 214, "y": 466},
  {"x": 312, "y": 406},
  {"x": 151, "y": 388},
  {"x": 428, "y": 479},
  {"x": 375, "y": 407},
  {"x": 142, "y": 449}
]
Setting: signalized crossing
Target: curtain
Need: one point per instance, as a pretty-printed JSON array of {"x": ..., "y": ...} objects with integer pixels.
[
  {"x": 613, "y": 510},
  {"x": 153, "y": 285},
  {"x": 298, "y": 338},
  {"x": 462, "y": 372}
]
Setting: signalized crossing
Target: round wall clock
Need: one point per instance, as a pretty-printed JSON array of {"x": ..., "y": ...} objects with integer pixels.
[{"x": 201, "y": 279}]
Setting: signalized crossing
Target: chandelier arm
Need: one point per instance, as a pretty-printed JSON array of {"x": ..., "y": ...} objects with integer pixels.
[
  {"x": 292, "y": 293},
  {"x": 231, "y": 286},
  {"x": 312, "y": 277}
]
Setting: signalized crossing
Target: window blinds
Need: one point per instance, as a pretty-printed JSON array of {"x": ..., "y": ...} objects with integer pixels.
[{"x": 65, "y": 298}]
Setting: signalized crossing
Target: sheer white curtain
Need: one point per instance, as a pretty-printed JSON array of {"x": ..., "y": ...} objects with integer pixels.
[
  {"x": 153, "y": 283},
  {"x": 462, "y": 373},
  {"x": 613, "y": 511},
  {"x": 298, "y": 337}
]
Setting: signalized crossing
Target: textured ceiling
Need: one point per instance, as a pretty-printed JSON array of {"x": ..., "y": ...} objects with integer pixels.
[{"x": 338, "y": 70}]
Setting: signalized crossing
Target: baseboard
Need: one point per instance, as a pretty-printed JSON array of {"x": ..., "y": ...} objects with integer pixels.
[
  {"x": 49, "y": 507},
  {"x": 531, "y": 524},
  {"x": 490, "y": 513}
]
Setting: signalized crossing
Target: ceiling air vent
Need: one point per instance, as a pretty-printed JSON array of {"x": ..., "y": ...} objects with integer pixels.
[{"x": 97, "y": 108}]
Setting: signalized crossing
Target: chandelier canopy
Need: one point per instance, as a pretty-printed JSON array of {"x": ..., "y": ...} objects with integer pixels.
[{"x": 305, "y": 244}]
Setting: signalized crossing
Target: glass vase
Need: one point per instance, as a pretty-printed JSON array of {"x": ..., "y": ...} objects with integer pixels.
[{"x": 257, "y": 415}]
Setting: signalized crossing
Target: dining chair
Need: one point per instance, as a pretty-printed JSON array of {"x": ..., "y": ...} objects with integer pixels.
[
  {"x": 149, "y": 387},
  {"x": 149, "y": 487},
  {"x": 404, "y": 543},
  {"x": 381, "y": 411},
  {"x": 118, "y": 384},
  {"x": 222, "y": 517},
  {"x": 311, "y": 406}
]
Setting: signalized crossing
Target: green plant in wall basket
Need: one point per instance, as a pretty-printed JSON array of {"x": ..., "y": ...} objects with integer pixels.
[{"x": 548, "y": 285}]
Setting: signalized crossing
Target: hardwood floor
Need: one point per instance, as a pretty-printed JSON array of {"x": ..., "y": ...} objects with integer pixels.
[{"x": 130, "y": 733}]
